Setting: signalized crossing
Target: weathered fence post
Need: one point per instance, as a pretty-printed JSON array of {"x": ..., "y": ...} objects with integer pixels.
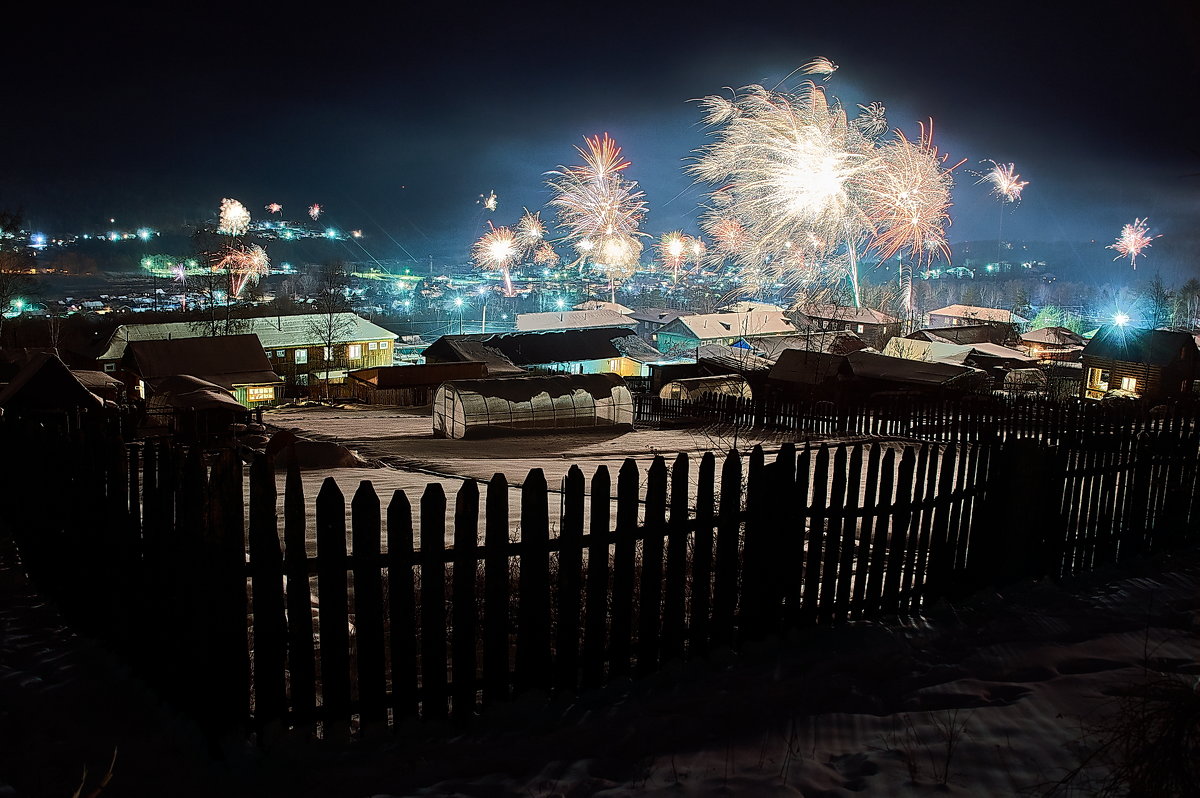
[
  {"x": 570, "y": 585},
  {"x": 464, "y": 611},
  {"x": 495, "y": 592},
  {"x": 654, "y": 529},
  {"x": 368, "y": 607},
  {"x": 269, "y": 620},
  {"x": 301, "y": 655},
  {"x": 674, "y": 600},
  {"x": 533, "y": 656},
  {"x": 596, "y": 609},
  {"x": 702, "y": 552},
  {"x": 332, "y": 606},
  {"x": 621, "y": 636},
  {"x": 402, "y": 607},
  {"x": 725, "y": 571},
  {"x": 433, "y": 603}
]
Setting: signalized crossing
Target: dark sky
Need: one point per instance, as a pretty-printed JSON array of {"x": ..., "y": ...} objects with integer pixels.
[{"x": 397, "y": 121}]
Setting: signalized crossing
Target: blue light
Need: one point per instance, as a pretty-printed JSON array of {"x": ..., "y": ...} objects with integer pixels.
[
  {"x": 1121, "y": 319},
  {"x": 38, "y": 240},
  {"x": 331, "y": 233}
]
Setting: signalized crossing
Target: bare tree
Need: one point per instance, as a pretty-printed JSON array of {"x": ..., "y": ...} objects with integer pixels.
[{"x": 330, "y": 323}]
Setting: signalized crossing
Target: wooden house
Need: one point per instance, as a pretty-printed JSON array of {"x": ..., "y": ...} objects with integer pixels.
[
  {"x": 584, "y": 351},
  {"x": 1156, "y": 365},
  {"x": 234, "y": 362},
  {"x": 690, "y": 332},
  {"x": 873, "y": 326},
  {"x": 409, "y": 386},
  {"x": 971, "y": 315}
]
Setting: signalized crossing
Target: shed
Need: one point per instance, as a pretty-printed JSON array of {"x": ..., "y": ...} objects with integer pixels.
[
  {"x": 1152, "y": 364},
  {"x": 507, "y": 405},
  {"x": 692, "y": 388},
  {"x": 409, "y": 386}
]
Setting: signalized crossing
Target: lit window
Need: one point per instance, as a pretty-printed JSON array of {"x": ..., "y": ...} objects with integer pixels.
[
  {"x": 260, "y": 394},
  {"x": 268, "y": 351},
  {"x": 372, "y": 346},
  {"x": 1129, "y": 384},
  {"x": 110, "y": 367},
  {"x": 860, "y": 328},
  {"x": 1098, "y": 379},
  {"x": 383, "y": 344},
  {"x": 302, "y": 379},
  {"x": 329, "y": 353},
  {"x": 280, "y": 353},
  {"x": 301, "y": 356},
  {"x": 354, "y": 351}
]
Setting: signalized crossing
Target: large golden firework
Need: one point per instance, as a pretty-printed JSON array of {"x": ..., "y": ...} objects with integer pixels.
[{"x": 235, "y": 218}]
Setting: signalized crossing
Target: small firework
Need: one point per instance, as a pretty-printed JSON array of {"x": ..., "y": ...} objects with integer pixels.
[
  {"x": 871, "y": 120},
  {"x": 356, "y": 233},
  {"x": 819, "y": 66},
  {"x": 530, "y": 229},
  {"x": 496, "y": 250},
  {"x": 489, "y": 201},
  {"x": 274, "y": 207},
  {"x": 1133, "y": 240},
  {"x": 314, "y": 211},
  {"x": 235, "y": 218},
  {"x": 545, "y": 256},
  {"x": 245, "y": 265},
  {"x": 672, "y": 250},
  {"x": 1006, "y": 183}
]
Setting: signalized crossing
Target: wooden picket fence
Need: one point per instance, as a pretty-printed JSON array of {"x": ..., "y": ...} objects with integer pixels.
[
  {"x": 945, "y": 419},
  {"x": 396, "y": 616}
]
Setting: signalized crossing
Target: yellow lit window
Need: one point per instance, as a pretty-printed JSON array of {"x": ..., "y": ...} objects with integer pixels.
[
  {"x": 1129, "y": 384},
  {"x": 354, "y": 351},
  {"x": 260, "y": 394}
]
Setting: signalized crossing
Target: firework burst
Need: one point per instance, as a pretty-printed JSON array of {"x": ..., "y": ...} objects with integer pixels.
[
  {"x": 274, "y": 207},
  {"x": 1006, "y": 183},
  {"x": 545, "y": 256},
  {"x": 1134, "y": 239},
  {"x": 495, "y": 251},
  {"x": 531, "y": 230},
  {"x": 315, "y": 211},
  {"x": 598, "y": 205},
  {"x": 489, "y": 201},
  {"x": 673, "y": 250},
  {"x": 871, "y": 120},
  {"x": 245, "y": 265},
  {"x": 235, "y": 218},
  {"x": 819, "y": 66}
]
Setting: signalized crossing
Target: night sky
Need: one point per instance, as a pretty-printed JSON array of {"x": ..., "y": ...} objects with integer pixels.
[{"x": 398, "y": 121}]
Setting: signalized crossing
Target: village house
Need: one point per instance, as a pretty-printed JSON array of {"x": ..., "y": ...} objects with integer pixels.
[
  {"x": 970, "y": 315},
  {"x": 295, "y": 345},
  {"x": 689, "y": 332},
  {"x": 1156, "y": 365},
  {"x": 571, "y": 320},
  {"x": 862, "y": 374},
  {"x": 873, "y": 326},
  {"x": 233, "y": 362},
  {"x": 583, "y": 351},
  {"x": 409, "y": 386},
  {"x": 651, "y": 320},
  {"x": 1050, "y": 344}
]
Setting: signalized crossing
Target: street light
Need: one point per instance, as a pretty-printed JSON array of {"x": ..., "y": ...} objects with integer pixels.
[{"x": 1121, "y": 319}]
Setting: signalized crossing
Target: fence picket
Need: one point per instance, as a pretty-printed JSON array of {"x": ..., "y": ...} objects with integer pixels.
[
  {"x": 725, "y": 569},
  {"x": 534, "y": 655},
  {"x": 270, "y": 623},
  {"x": 496, "y": 643},
  {"x": 570, "y": 584},
  {"x": 302, "y": 674},
  {"x": 596, "y": 611},
  {"x": 675, "y": 597},
  {"x": 463, "y": 609},
  {"x": 365, "y": 531},
  {"x": 621, "y": 635},
  {"x": 650, "y": 593},
  {"x": 433, "y": 603},
  {"x": 702, "y": 553},
  {"x": 402, "y": 608},
  {"x": 332, "y": 610}
]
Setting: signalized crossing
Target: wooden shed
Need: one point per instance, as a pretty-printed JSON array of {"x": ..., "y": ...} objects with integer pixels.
[
  {"x": 1156, "y": 365},
  {"x": 409, "y": 386}
]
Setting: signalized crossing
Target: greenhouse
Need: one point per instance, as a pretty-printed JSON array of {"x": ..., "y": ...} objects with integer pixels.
[
  {"x": 692, "y": 388},
  {"x": 504, "y": 405}
]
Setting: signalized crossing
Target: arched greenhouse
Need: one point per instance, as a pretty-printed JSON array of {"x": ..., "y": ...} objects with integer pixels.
[{"x": 496, "y": 406}]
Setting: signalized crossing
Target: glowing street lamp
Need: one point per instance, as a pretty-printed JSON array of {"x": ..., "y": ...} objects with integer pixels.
[{"x": 1121, "y": 319}]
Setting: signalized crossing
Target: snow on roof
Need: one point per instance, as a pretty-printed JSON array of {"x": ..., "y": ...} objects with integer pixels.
[
  {"x": 570, "y": 320},
  {"x": 1054, "y": 336},
  {"x": 595, "y": 304},
  {"x": 927, "y": 351},
  {"x": 273, "y": 331},
  {"x": 994, "y": 315},
  {"x": 710, "y": 326},
  {"x": 855, "y": 315}
]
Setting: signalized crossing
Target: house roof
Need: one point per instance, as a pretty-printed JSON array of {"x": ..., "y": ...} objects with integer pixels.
[
  {"x": 992, "y": 315},
  {"x": 966, "y": 334},
  {"x": 595, "y": 304},
  {"x": 385, "y": 377},
  {"x": 656, "y": 315},
  {"x": 837, "y": 342},
  {"x": 730, "y": 359},
  {"x": 927, "y": 351},
  {"x": 637, "y": 349},
  {"x": 45, "y": 383},
  {"x": 570, "y": 320},
  {"x": 747, "y": 305},
  {"x": 184, "y": 392},
  {"x": 995, "y": 350},
  {"x": 871, "y": 365},
  {"x": 853, "y": 315},
  {"x": 530, "y": 348},
  {"x": 807, "y": 367},
  {"x": 225, "y": 360},
  {"x": 275, "y": 332},
  {"x": 714, "y": 326},
  {"x": 1153, "y": 347},
  {"x": 467, "y": 349},
  {"x": 1054, "y": 336}
]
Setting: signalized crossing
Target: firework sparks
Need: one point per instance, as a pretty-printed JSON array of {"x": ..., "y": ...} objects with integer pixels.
[
  {"x": 908, "y": 200},
  {"x": 1134, "y": 239},
  {"x": 495, "y": 251},
  {"x": 599, "y": 207},
  {"x": 819, "y": 66},
  {"x": 545, "y": 256},
  {"x": 235, "y": 218},
  {"x": 245, "y": 265},
  {"x": 1006, "y": 183},
  {"x": 530, "y": 230},
  {"x": 871, "y": 120},
  {"x": 672, "y": 250},
  {"x": 489, "y": 201},
  {"x": 315, "y": 211},
  {"x": 274, "y": 207}
]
